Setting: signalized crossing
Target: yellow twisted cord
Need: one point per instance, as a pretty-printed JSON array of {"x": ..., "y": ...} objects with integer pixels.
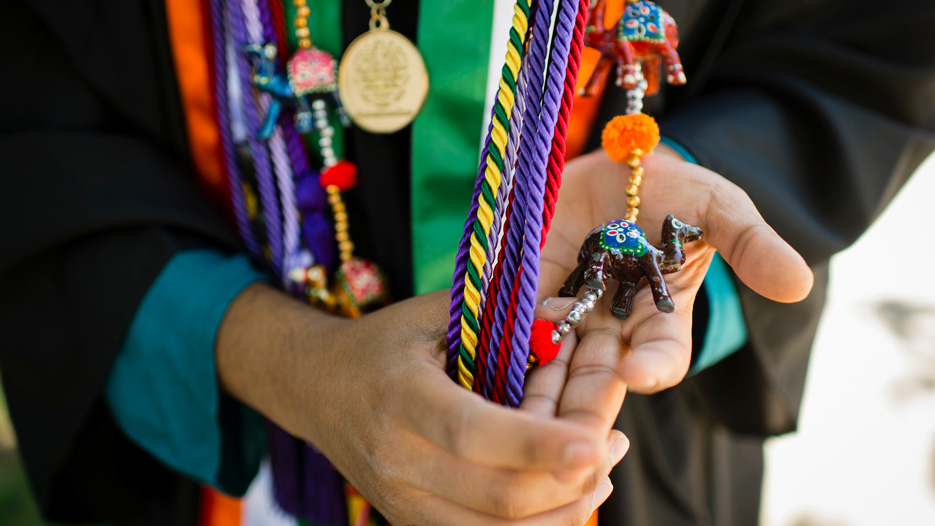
[{"x": 499, "y": 136}]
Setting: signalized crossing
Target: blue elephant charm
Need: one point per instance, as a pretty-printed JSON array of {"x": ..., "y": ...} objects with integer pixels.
[
  {"x": 619, "y": 250},
  {"x": 310, "y": 74}
]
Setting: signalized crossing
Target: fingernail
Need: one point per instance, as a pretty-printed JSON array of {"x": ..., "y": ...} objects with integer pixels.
[
  {"x": 619, "y": 449},
  {"x": 580, "y": 453},
  {"x": 601, "y": 493},
  {"x": 558, "y": 303}
]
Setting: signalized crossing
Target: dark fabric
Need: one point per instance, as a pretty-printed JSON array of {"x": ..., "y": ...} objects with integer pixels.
[
  {"x": 98, "y": 196},
  {"x": 819, "y": 109},
  {"x": 379, "y": 208}
]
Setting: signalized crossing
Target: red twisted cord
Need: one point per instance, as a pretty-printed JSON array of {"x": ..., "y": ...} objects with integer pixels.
[
  {"x": 556, "y": 165},
  {"x": 557, "y": 155},
  {"x": 490, "y": 305},
  {"x": 506, "y": 344},
  {"x": 279, "y": 26}
]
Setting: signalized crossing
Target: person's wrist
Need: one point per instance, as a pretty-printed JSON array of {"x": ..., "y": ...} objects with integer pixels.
[{"x": 270, "y": 354}]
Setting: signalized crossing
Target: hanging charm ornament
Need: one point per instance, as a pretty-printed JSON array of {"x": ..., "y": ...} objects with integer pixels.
[
  {"x": 639, "y": 43},
  {"x": 310, "y": 75},
  {"x": 644, "y": 36},
  {"x": 383, "y": 81}
]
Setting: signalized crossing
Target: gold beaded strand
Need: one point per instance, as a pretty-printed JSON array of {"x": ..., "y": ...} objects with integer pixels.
[
  {"x": 302, "y": 34},
  {"x": 633, "y": 187},
  {"x": 339, "y": 211}
]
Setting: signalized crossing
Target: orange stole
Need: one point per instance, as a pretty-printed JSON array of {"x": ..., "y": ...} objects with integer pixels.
[{"x": 192, "y": 67}]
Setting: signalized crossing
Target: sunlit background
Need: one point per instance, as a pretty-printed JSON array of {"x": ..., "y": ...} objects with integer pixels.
[
  {"x": 865, "y": 451},
  {"x": 864, "y": 454}
]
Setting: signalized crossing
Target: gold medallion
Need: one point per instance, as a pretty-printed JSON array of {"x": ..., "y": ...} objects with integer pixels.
[{"x": 383, "y": 81}]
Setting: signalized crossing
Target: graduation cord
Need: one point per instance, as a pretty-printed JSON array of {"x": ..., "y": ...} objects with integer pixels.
[
  {"x": 318, "y": 231},
  {"x": 467, "y": 285},
  {"x": 493, "y": 303},
  {"x": 487, "y": 360},
  {"x": 557, "y": 155},
  {"x": 218, "y": 51},
  {"x": 533, "y": 233},
  {"x": 524, "y": 190},
  {"x": 261, "y": 159},
  {"x": 282, "y": 163}
]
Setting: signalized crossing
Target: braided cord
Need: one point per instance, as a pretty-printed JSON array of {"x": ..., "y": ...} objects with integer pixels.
[
  {"x": 532, "y": 234},
  {"x": 524, "y": 183},
  {"x": 491, "y": 328},
  {"x": 216, "y": 14},
  {"x": 259, "y": 29},
  {"x": 461, "y": 261},
  {"x": 496, "y": 147},
  {"x": 265, "y": 182},
  {"x": 557, "y": 156},
  {"x": 274, "y": 25}
]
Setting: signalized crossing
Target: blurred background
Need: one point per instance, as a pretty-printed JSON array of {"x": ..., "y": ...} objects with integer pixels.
[
  {"x": 865, "y": 450},
  {"x": 864, "y": 454}
]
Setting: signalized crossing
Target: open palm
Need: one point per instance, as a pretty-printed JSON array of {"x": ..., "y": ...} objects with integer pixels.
[{"x": 651, "y": 350}]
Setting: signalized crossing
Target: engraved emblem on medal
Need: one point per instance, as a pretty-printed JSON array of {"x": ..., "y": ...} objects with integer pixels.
[{"x": 383, "y": 81}]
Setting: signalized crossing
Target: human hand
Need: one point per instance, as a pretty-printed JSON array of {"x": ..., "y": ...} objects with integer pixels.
[
  {"x": 371, "y": 393},
  {"x": 650, "y": 350}
]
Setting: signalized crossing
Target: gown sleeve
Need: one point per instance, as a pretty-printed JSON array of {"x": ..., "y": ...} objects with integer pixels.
[{"x": 97, "y": 198}]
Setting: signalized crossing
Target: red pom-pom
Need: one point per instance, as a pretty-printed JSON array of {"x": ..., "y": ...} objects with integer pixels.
[
  {"x": 540, "y": 341},
  {"x": 343, "y": 175}
]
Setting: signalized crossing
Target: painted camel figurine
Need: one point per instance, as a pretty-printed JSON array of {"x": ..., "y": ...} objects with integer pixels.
[
  {"x": 619, "y": 250},
  {"x": 643, "y": 37}
]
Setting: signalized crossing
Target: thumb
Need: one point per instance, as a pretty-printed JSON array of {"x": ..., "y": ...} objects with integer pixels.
[
  {"x": 759, "y": 257},
  {"x": 554, "y": 309}
]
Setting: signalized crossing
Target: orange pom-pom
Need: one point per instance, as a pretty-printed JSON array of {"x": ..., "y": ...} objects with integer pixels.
[
  {"x": 343, "y": 175},
  {"x": 540, "y": 342},
  {"x": 626, "y": 134}
]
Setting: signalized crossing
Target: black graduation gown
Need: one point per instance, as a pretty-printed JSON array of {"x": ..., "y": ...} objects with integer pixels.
[{"x": 819, "y": 109}]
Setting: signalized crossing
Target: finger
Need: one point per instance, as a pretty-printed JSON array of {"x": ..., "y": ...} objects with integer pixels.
[
  {"x": 761, "y": 259},
  {"x": 473, "y": 429},
  {"x": 545, "y": 383},
  {"x": 432, "y": 509},
  {"x": 661, "y": 346},
  {"x": 595, "y": 388},
  {"x": 511, "y": 493}
]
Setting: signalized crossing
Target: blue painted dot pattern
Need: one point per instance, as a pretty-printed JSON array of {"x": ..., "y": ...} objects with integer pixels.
[
  {"x": 623, "y": 237},
  {"x": 642, "y": 21}
]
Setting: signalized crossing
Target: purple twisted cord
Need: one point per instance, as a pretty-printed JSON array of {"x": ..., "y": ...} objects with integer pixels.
[
  {"x": 305, "y": 483},
  {"x": 234, "y": 177},
  {"x": 265, "y": 182},
  {"x": 516, "y": 125},
  {"x": 506, "y": 185},
  {"x": 529, "y": 278},
  {"x": 540, "y": 13},
  {"x": 461, "y": 260},
  {"x": 322, "y": 251}
]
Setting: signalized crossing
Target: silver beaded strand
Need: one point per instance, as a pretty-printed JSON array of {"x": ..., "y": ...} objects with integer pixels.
[{"x": 578, "y": 310}]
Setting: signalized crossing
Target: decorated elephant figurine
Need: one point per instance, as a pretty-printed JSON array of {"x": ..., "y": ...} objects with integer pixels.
[
  {"x": 310, "y": 74},
  {"x": 619, "y": 250},
  {"x": 643, "y": 37}
]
